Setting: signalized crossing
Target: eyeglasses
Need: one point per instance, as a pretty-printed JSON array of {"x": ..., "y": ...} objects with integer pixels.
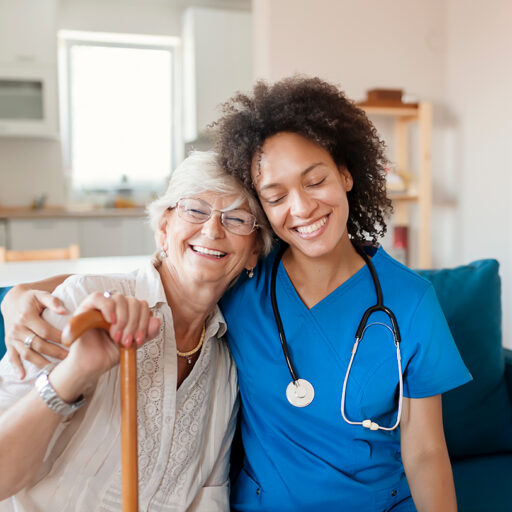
[{"x": 197, "y": 211}]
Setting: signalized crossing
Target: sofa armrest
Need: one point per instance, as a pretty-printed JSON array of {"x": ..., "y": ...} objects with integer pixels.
[{"x": 508, "y": 370}]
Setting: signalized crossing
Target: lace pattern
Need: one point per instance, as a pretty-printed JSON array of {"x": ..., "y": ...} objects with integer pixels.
[{"x": 169, "y": 433}]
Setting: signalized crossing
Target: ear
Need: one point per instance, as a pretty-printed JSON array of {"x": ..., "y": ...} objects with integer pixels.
[
  {"x": 346, "y": 177},
  {"x": 161, "y": 232},
  {"x": 255, "y": 254}
]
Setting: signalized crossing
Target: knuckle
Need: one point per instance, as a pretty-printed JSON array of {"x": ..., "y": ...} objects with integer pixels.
[
  {"x": 16, "y": 328},
  {"x": 23, "y": 317},
  {"x": 44, "y": 331}
]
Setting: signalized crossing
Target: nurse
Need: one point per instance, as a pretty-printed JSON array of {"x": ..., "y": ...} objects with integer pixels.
[{"x": 316, "y": 164}]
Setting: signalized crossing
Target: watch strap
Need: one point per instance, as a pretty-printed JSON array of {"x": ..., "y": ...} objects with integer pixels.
[{"x": 50, "y": 396}]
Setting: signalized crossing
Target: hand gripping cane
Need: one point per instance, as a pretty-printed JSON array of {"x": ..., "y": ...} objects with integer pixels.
[{"x": 130, "y": 486}]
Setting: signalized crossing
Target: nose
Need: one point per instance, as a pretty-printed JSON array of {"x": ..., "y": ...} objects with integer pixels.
[
  {"x": 301, "y": 204},
  {"x": 213, "y": 228}
]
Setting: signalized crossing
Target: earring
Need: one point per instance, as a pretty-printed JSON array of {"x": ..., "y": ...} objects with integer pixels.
[
  {"x": 250, "y": 272},
  {"x": 163, "y": 254}
]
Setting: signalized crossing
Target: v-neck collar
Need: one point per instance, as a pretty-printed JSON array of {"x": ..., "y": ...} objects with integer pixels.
[{"x": 286, "y": 282}]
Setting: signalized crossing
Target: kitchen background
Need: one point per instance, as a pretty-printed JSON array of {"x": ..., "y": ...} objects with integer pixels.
[{"x": 453, "y": 53}]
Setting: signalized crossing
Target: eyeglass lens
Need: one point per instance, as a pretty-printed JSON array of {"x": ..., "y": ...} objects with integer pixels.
[{"x": 197, "y": 211}]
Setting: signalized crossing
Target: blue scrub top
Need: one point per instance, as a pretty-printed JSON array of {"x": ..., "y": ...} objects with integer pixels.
[{"x": 309, "y": 459}]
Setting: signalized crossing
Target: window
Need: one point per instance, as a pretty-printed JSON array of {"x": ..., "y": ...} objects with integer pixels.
[{"x": 118, "y": 110}]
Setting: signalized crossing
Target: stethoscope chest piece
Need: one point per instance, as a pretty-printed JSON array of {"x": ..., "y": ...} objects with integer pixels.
[{"x": 300, "y": 393}]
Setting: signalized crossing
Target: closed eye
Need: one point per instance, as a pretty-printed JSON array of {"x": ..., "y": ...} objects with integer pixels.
[
  {"x": 318, "y": 183},
  {"x": 272, "y": 202}
]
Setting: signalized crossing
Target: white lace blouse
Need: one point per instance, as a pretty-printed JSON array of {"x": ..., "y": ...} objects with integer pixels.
[{"x": 184, "y": 435}]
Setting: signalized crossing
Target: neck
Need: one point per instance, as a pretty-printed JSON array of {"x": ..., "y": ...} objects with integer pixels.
[
  {"x": 316, "y": 277},
  {"x": 191, "y": 303}
]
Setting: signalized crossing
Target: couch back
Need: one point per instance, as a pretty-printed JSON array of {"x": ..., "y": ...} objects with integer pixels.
[{"x": 478, "y": 415}]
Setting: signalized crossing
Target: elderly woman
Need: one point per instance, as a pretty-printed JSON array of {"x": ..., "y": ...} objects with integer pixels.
[{"x": 208, "y": 230}]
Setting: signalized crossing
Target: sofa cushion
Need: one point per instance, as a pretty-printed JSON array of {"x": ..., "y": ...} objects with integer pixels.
[
  {"x": 478, "y": 415},
  {"x": 483, "y": 483}
]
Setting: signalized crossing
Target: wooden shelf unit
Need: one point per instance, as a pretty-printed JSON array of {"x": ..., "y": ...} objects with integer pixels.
[{"x": 422, "y": 192}]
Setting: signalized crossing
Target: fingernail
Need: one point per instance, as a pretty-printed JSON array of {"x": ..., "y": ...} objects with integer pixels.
[
  {"x": 128, "y": 340},
  {"x": 139, "y": 337}
]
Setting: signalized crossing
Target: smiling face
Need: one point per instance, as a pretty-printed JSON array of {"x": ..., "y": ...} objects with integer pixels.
[
  {"x": 304, "y": 194},
  {"x": 207, "y": 253}
]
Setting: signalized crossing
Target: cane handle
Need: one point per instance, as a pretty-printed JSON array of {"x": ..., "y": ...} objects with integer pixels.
[{"x": 78, "y": 324}]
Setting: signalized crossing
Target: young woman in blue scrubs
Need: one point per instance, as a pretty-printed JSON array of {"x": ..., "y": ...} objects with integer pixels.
[{"x": 316, "y": 164}]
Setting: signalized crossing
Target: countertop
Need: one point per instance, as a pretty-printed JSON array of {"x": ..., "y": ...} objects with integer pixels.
[
  {"x": 24, "y": 271},
  {"x": 69, "y": 212}
]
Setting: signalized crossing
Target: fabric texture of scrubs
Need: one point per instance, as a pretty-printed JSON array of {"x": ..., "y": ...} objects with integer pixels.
[{"x": 309, "y": 459}]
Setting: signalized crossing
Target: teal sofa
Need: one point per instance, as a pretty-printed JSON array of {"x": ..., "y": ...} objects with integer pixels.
[{"x": 478, "y": 415}]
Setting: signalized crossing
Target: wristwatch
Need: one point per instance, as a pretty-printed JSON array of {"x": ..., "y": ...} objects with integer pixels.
[{"x": 50, "y": 396}]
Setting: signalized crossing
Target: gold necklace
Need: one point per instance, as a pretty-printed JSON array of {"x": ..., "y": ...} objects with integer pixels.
[{"x": 188, "y": 355}]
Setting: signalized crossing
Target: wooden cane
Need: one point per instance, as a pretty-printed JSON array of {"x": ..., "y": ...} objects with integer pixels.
[{"x": 129, "y": 474}]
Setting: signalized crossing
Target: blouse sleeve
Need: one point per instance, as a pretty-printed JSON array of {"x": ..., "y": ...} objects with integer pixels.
[{"x": 435, "y": 365}]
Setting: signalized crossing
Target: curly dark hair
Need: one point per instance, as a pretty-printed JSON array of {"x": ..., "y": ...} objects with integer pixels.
[{"x": 322, "y": 113}]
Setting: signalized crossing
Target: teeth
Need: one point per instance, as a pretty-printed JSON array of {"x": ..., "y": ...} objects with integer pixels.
[
  {"x": 312, "y": 227},
  {"x": 210, "y": 252}
]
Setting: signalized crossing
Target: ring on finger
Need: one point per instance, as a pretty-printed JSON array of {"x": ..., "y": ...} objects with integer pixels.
[
  {"x": 108, "y": 293},
  {"x": 28, "y": 340}
]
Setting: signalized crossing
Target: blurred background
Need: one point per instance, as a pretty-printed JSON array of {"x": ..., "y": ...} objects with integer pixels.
[{"x": 100, "y": 100}]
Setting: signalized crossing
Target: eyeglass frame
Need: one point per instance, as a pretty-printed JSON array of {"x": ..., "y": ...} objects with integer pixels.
[{"x": 178, "y": 207}]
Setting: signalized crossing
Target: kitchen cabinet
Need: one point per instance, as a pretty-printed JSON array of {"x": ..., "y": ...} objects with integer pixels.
[
  {"x": 96, "y": 235},
  {"x": 29, "y": 234},
  {"x": 28, "y": 32},
  {"x": 115, "y": 237},
  {"x": 28, "y": 68}
]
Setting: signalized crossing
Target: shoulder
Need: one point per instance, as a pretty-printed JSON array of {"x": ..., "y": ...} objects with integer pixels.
[
  {"x": 247, "y": 289},
  {"x": 76, "y": 288},
  {"x": 399, "y": 282}
]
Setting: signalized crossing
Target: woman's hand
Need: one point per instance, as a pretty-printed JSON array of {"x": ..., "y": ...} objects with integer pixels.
[
  {"x": 95, "y": 352},
  {"x": 21, "y": 309}
]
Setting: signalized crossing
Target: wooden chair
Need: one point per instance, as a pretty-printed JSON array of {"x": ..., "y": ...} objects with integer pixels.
[{"x": 68, "y": 253}]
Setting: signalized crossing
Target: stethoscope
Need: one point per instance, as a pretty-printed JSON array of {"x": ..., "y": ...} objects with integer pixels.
[{"x": 300, "y": 392}]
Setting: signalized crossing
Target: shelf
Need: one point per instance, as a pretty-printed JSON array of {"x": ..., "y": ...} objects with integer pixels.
[
  {"x": 410, "y": 113},
  {"x": 403, "y": 196}
]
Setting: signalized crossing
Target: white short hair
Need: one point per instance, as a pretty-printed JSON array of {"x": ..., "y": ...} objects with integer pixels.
[{"x": 201, "y": 172}]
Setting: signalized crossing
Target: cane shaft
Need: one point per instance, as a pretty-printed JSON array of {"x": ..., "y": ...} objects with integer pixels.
[
  {"x": 128, "y": 363},
  {"x": 129, "y": 429}
]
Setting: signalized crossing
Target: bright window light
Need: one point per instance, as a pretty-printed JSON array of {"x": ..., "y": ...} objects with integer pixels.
[{"x": 119, "y": 101}]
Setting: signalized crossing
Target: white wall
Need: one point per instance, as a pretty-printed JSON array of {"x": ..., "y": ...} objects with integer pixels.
[
  {"x": 479, "y": 93},
  {"x": 453, "y": 53}
]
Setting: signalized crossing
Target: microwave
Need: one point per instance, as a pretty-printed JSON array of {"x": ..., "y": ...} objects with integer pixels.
[{"x": 28, "y": 101}]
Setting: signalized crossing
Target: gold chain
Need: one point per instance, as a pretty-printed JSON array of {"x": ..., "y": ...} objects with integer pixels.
[{"x": 195, "y": 349}]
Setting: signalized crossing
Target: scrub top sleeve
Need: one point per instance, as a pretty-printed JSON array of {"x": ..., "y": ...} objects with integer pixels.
[{"x": 435, "y": 365}]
